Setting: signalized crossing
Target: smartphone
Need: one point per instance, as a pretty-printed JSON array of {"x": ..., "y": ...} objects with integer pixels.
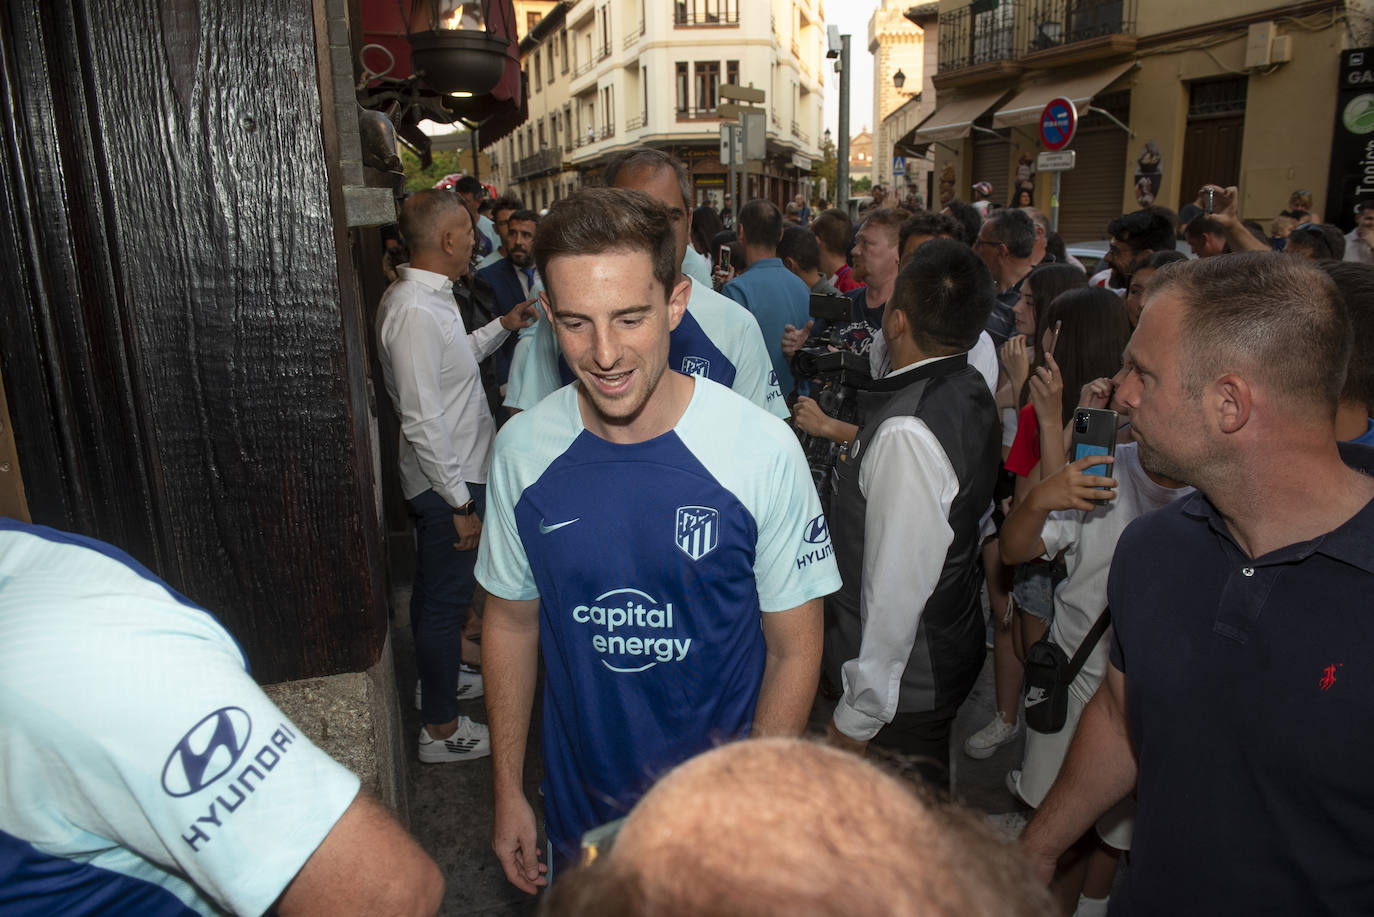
[
  {"x": 1209, "y": 197},
  {"x": 1054, "y": 338},
  {"x": 1094, "y": 433},
  {"x": 723, "y": 258}
]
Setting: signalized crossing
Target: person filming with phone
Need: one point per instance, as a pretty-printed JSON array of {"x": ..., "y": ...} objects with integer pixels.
[{"x": 1238, "y": 680}]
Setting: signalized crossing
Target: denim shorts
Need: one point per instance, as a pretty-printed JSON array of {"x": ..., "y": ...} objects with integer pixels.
[{"x": 1033, "y": 587}]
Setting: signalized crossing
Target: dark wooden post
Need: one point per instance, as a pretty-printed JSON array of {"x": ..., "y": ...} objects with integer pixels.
[{"x": 180, "y": 339}]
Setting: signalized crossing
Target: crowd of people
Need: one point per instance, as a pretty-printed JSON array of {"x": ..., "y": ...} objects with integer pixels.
[{"x": 1173, "y": 614}]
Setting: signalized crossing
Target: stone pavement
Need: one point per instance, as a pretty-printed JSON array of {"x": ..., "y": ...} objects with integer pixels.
[{"x": 451, "y": 812}]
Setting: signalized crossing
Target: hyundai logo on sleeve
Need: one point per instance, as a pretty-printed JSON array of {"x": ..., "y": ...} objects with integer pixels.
[
  {"x": 207, "y": 751},
  {"x": 817, "y": 532}
]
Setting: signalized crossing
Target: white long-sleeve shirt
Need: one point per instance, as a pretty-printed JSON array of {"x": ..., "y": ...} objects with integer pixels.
[
  {"x": 905, "y": 543},
  {"x": 429, "y": 364}
]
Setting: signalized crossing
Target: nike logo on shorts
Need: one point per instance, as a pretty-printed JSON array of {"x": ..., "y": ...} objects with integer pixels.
[{"x": 545, "y": 529}]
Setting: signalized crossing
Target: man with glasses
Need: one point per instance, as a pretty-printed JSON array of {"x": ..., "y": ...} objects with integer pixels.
[
  {"x": 1005, "y": 243},
  {"x": 1135, "y": 235}
]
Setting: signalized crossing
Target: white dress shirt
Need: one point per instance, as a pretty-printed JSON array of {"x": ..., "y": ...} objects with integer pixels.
[
  {"x": 905, "y": 543},
  {"x": 429, "y": 364}
]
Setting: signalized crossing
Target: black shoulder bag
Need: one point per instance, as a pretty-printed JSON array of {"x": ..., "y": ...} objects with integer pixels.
[{"x": 1049, "y": 673}]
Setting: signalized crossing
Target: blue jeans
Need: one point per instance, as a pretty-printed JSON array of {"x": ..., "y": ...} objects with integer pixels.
[{"x": 439, "y": 600}]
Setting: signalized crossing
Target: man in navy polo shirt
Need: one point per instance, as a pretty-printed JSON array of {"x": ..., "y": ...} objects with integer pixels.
[{"x": 1241, "y": 680}]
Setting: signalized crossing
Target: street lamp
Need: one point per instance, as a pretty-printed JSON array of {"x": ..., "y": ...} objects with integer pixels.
[
  {"x": 898, "y": 79},
  {"x": 457, "y": 53}
]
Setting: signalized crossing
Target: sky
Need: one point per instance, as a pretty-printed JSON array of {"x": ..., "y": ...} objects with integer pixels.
[{"x": 851, "y": 16}]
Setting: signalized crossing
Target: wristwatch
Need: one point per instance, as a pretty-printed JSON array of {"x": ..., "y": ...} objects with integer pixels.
[{"x": 467, "y": 509}]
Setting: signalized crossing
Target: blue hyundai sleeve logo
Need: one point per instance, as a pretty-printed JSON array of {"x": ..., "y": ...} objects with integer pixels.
[
  {"x": 207, "y": 751},
  {"x": 817, "y": 531}
]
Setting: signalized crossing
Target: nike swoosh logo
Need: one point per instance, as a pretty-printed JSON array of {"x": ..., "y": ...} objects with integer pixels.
[{"x": 545, "y": 529}]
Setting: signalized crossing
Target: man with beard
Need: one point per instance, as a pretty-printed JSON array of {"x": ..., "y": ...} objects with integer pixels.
[
  {"x": 1240, "y": 615},
  {"x": 513, "y": 279},
  {"x": 501, "y": 209},
  {"x": 655, "y": 536}
]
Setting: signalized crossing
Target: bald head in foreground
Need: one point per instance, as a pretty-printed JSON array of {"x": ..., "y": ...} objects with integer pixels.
[{"x": 785, "y": 826}]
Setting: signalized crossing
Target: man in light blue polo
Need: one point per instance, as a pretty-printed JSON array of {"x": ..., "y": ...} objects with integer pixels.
[{"x": 774, "y": 295}]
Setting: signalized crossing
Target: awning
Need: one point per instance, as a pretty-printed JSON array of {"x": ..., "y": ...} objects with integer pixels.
[
  {"x": 955, "y": 119},
  {"x": 1026, "y": 107}
]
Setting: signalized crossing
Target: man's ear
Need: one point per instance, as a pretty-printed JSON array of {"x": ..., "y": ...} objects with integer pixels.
[
  {"x": 1232, "y": 399},
  {"x": 545, "y": 305},
  {"x": 677, "y": 302}
]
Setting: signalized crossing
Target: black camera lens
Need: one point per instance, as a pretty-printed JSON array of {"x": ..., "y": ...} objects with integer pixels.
[{"x": 1080, "y": 423}]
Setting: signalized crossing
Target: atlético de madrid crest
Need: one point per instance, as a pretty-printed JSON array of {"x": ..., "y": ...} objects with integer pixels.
[{"x": 698, "y": 530}]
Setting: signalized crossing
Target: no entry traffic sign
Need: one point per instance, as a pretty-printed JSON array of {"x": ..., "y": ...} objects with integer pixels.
[{"x": 1058, "y": 122}]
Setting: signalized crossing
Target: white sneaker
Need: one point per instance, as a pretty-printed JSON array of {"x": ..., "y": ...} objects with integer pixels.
[
  {"x": 991, "y": 737},
  {"x": 468, "y": 742},
  {"x": 469, "y": 684},
  {"x": 1013, "y": 782}
]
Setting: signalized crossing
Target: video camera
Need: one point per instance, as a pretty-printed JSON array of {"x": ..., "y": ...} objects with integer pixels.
[{"x": 836, "y": 377}]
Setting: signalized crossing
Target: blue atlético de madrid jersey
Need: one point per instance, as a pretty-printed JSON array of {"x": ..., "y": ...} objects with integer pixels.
[{"x": 652, "y": 563}]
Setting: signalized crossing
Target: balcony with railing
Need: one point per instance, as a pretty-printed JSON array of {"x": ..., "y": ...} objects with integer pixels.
[
  {"x": 981, "y": 33},
  {"x": 544, "y": 162},
  {"x": 705, "y": 13},
  {"x": 988, "y": 39},
  {"x": 607, "y": 131},
  {"x": 638, "y": 121},
  {"x": 697, "y": 114},
  {"x": 583, "y": 68},
  {"x": 1066, "y": 31},
  {"x": 602, "y": 52},
  {"x": 633, "y": 36}
]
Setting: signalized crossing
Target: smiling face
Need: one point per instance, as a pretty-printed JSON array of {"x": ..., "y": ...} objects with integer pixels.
[{"x": 613, "y": 319}]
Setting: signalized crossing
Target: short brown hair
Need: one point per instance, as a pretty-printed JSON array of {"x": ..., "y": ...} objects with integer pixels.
[
  {"x": 1273, "y": 318},
  {"x": 645, "y": 157},
  {"x": 1356, "y": 283},
  {"x": 890, "y": 218},
  {"x": 833, "y": 229},
  {"x": 599, "y": 220}
]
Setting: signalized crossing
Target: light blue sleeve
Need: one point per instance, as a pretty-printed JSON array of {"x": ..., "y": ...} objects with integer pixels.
[
  {"x": 758, "y": 458},
  {"x": 736, "y": 332},
  {"x": 503, "y": 567},
  {"x": 695, "y": 265},
  {"x": 155, "y": 755},
  {"x": 534, "y": 367}
]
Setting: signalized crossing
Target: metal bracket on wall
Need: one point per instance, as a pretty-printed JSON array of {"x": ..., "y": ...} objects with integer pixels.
[{"x": 1112, "y": 118}]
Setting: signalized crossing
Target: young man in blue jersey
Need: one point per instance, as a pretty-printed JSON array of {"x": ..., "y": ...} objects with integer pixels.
[
  {"x": 717, "y": 339},
  {"x": 654, "y": 534}
]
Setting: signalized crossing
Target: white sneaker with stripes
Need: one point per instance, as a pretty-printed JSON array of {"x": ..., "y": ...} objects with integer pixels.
[{"x": 468, "y": 742}]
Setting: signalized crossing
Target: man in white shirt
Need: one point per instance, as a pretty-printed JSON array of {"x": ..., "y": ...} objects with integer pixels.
[
  {"x": 904, "y": 636},
  {"x": 429, "y": 363}
]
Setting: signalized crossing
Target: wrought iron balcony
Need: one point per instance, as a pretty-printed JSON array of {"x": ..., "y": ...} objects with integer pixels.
[
  {"x": 638, "y": 121},
  {"x": 1054, "y": 23},
  {"x": 542, "y": 163},
  {"x": 634, "y": 35},
  {"x": 690, "y": 13},
  {"x": 607, "y": 131},
  {"x": 583, "y": 68},
  {"x": 697, "y": 114},
  {"x": 982, "y": 32}
]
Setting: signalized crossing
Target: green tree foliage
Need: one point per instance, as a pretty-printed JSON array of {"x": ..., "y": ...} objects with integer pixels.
[
  {"x": 825, "y": 169},
  {"x": 861, "y": 185},
  {"x": 444, "y": 163}
]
